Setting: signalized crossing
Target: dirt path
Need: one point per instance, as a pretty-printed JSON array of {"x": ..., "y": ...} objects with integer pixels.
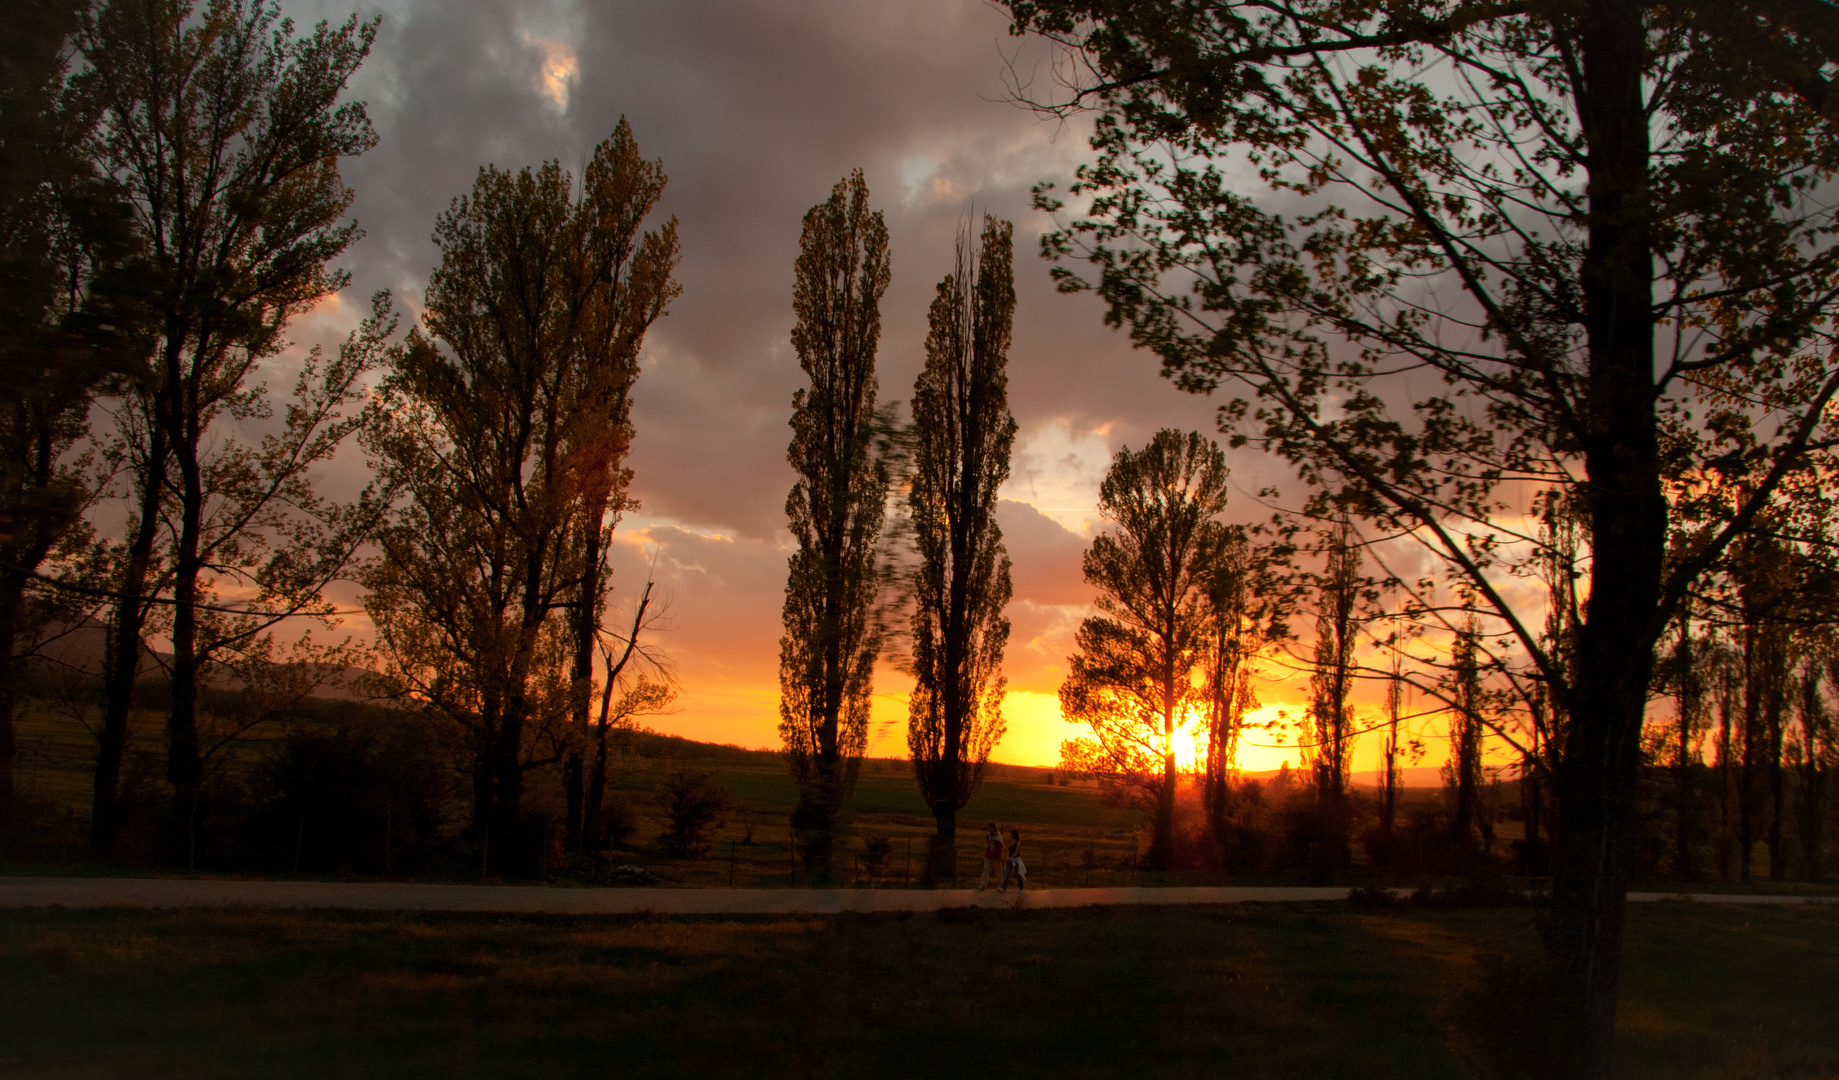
[{"x": 25, "y": 892}]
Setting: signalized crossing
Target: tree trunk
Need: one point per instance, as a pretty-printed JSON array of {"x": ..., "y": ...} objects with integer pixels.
[
  {"x": 1388, "y": 799},
  {"x": 482, "y": 773},
  {"x": 184, "y": 767},
  {"x": 1813, "y": 811},
  {"x": 1682, "y": 829},
  {"x": 1688, "y": 687},
  {"x": 586, "y": 630},
  {"x": 1162, "y": 845},
  {"x": 814, "y": 817},
  {"x": 122, "y": 663},
  {"x": 485, "y": 764},
  {"x": 1723, "y": 777},
  {"x": 1778, "y": 796},
  {"x": 942, "y": 846},
  {"x": 508, "y": 781},
  {"x": 1746, "y": 771},
  {"x": 1218, "y": 792},
  {"x": 10, "y": 601},
  {"x": 1462, "y": 829},
  {"x": 508, "y": 763},
  {"x": 593, "y": 812},
  {"x": 1628, "y": 516}
]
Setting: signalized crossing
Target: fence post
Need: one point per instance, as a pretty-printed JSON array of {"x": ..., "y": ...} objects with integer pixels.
[{"x": 731, "y": 848}]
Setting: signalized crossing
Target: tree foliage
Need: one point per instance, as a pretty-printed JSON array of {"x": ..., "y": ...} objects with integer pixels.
[
  {"x": 1497, "y": 247},
  {"x": 225, "y": 132},
  {"x": 504, "y": 426},
  {"x": 1247, "y": 604},
  {"x": 1331, "y": 678},
  {"x": 835, "y": 509},
  {"x": 1133, "y": 679},
  {"x": 961, "y": 436},
  {"x": 63, "y": 249}
]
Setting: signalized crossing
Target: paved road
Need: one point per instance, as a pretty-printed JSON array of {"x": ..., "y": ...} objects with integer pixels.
[{"x": 28, "y": 892}]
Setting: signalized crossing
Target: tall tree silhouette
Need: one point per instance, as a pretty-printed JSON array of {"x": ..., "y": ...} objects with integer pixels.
[
  {"x": 226, "y": 133},
  {"x": 64, "y": 245},
  {"x": 1132, "y": 680},
  {"x": 1331, "y": 680},
  {"x": 1246, "y": 606},
  {"x": 827, "y": 655},
  {"x": 622, "y": 188},
  {"x": 961, "y": 437},
  {"x": 1396, "y": 309},
  {"x": 502, "y": 426},
  {"x": 1391, "y": 781},
  {"x": 1462, "y": 772}
]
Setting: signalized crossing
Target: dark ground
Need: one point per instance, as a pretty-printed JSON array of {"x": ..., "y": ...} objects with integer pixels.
[{"x": 1316, "y": 990}]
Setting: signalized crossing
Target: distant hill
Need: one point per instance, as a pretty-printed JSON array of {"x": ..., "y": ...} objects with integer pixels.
[
  {"x": 656, "y": 744},
  {"x": 80, "y": 650}
]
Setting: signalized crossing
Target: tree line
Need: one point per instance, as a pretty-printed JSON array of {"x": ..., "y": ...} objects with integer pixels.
[
  {"x": 1549, "y": 296},
  {"x": 1581, "y": 359},
  {"x": 174, "y": 200},
  {"x": 1450, "y": 263},
  {"x": 179, "y": 201}
]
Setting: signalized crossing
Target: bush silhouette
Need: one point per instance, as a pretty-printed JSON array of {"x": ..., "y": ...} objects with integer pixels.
[{"x": 695, "y": 806}]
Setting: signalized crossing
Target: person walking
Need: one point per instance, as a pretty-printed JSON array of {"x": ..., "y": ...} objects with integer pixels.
[
  {"x": 1014, "y": 864},
  {"x": 992, "y": 856}
]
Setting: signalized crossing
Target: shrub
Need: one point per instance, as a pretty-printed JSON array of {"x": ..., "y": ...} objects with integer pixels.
[
  {"x": 618, "y": 821},
  {"x": 695, "y": 806},
  {"x": 877, "y": 852},
  {"x": 362, "y": 793}
]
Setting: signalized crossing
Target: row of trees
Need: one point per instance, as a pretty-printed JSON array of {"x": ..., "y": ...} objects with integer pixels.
[
  {"x": 1495, "y": 250},
  {"x": 173, "y": 203},
  {"x": 1191, "y": 610},
  {"x": 1189, "y": 607},
  {"x": 173, "y": 200},
  {"x": 944, "y": 590}
]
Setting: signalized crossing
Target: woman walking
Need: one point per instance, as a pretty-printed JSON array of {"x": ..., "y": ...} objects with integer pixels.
[
  {"x": 992, "y": 856},
  {"x": 1015, "y": 865}
]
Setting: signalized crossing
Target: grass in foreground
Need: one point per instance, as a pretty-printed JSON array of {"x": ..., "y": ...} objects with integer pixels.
[{"x": 1246, "y": 991}]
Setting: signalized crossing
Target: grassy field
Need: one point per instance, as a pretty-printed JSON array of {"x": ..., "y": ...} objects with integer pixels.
[
  {"x": 1060, "y": 822},
  {"x": 1297, "y": 991},
  {"x": 1072, "y": 835}
]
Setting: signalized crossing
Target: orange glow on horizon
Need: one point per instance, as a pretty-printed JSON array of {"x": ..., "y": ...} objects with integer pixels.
[{"x": 749, "y": 717}]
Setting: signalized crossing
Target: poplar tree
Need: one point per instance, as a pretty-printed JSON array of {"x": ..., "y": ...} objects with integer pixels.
[
  {"x": 835, "y": 509},
  {"x": 1462, "y": 772},
  {"x": 62, "y": 247},
  {"x": 620, "y": 189},
  {"x": 961, "y": 437},
  {"x": 1132, "y": 680},
  {"x": 1331, "y": 682},
  {"x": 1391, "y": 779},
  {"x": 1245, "y": 611}
]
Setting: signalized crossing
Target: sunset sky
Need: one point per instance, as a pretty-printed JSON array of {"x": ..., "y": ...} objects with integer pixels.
[{"x": 756, "y": 109}]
